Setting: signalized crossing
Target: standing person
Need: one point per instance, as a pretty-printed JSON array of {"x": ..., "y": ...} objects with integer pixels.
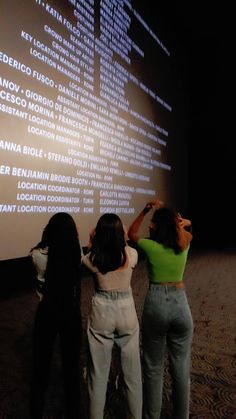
[
  {"x": 166, "y": 321},
  {"x": 113, "y": 318},
  {"x": 57, "y": 259}
]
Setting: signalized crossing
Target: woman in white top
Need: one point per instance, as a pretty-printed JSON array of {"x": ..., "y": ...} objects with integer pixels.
[{"x": 113, "y": 318}]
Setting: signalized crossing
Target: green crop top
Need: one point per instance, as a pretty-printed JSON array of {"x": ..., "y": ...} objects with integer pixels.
[{"x": 163, "y": 264}]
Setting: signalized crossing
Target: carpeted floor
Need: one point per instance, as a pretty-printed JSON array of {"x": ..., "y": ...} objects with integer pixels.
[{"x": 211, "y": 287}]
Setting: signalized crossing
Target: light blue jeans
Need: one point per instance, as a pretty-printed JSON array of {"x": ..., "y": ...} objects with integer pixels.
[
  {"x": 166, "y": 326},
  {"x": 113, "y": 319}
]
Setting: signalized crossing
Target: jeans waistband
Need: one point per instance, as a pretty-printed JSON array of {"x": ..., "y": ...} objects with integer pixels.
[
  {"x": 165, "y": 288},
  {"x": 114, "y": 295}
]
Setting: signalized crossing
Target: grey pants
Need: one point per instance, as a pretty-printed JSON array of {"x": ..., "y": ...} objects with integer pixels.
[
  {"x": 166, "y": 327},
  {"x": 113, "y": 319}
]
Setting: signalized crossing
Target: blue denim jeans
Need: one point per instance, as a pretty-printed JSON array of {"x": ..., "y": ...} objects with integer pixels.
[
  {"x": 113, "y": 319},
  {"x": 167, "y": 326}
]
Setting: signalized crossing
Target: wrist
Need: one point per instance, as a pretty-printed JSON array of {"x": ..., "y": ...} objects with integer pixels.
[{"x": 146, "y": 210}]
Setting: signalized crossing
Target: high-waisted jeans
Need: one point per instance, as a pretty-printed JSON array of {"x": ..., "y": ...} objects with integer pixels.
[
  {"x": 113, "y": 319},
  {"x": 166, "y": 325}
]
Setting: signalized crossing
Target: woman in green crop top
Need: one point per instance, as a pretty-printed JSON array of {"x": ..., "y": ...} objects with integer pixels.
[{"x": 166, "y": 321}]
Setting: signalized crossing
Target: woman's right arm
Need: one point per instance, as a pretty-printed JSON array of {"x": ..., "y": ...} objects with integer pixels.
[
  {"x": 134, "y": 228},
  {"x": 87, "y": 262},
  {"x": 91, "y": 236}
]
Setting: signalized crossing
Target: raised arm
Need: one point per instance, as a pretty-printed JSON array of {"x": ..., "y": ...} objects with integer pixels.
[
  {"x": 91, "y": 236},
  {"x": 134, "y": 228},
  {"x": 185, "y": 223},
  {"x": 185, "y": 231}
]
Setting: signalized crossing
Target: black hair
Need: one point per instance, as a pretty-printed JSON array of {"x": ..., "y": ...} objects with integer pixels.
[
  {"x": 165, "y": 228},
  {"x": 108, "y": 244},
  {"x": 64, "y": 255}
]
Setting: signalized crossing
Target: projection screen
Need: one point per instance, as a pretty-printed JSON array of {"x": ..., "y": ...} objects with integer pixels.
[{"x": 90, "y": 114}]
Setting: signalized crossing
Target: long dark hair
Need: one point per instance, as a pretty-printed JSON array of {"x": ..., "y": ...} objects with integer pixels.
[
  {"x": 108, "y": 244},
  {"x": 64, "y": 254},
  {"x": 164, "y": 228}
]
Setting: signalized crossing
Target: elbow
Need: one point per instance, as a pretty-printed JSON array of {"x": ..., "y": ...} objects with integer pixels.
[{"x": 133, "y": 237}]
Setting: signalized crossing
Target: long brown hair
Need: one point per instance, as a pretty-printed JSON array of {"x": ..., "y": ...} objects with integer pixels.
[{"x": 108, "y": 244}]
